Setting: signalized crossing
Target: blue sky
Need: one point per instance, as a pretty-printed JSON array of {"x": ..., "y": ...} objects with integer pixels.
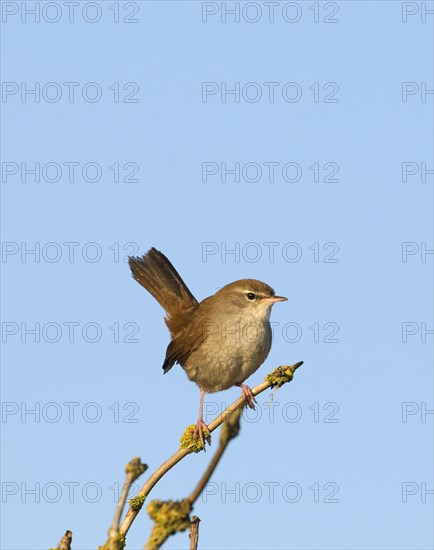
[{"x": 291, "y": 146}]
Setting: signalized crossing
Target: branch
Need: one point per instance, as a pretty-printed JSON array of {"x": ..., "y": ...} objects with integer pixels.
[
  {"x": 170, "y": 516},
  {"x": 277, "y": 378},
  {"x": 65, "y": 542},
  {"x": 229, "y": 430},
  {"x": 194, "y": 532},
  {"x": 133, "y": 470}
]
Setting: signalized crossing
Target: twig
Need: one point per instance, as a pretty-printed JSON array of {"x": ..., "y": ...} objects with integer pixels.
[
  {"x": 133, "y": 470},
  {"x": 277, "y": 378},
  {"x": 65, "y": 541},
  {"x": 194, "y": 532},
  {"x": 170, "y": 516}
]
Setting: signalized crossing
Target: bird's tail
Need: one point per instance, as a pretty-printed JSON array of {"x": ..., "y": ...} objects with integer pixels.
[{"x": 154, "y": 272}]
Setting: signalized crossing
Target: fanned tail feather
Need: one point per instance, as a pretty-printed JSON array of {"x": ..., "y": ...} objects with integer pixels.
[{"x": 155, "y": 273}]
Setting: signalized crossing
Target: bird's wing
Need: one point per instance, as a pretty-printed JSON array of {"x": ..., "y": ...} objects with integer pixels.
[{"x": 187, "y": 335}]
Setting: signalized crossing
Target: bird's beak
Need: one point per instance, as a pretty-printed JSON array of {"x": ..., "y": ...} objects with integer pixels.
[{"x": 274, "y": 299}]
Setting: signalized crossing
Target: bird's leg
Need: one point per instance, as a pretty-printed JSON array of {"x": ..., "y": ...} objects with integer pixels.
[
  {"x": 200, "y": 426},
  {"x": 248, "y": 395}
]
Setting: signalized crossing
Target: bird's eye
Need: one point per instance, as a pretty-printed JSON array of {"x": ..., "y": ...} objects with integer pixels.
[{"x": 250, "y": 296}]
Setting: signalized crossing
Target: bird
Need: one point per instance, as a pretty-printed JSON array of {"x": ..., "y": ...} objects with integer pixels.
[{"x": 220, "y": 341}]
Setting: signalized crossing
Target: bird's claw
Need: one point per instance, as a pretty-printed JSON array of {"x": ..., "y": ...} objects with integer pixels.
[
  {"x": 248, "y": 396},
  {"x": 198, "y": 433}
]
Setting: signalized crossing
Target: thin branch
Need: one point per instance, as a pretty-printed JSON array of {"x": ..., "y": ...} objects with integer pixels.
[
  {"x": 207, "y": 474},
  {"x": 65, "y": 541},
  {"x": 170, "y": 516},
  {"x": 232, "y": 428},
  {"x": 277, "y": 378},
  {"x": 194, "y": 532},
  {"x": 133, "y": 470}
]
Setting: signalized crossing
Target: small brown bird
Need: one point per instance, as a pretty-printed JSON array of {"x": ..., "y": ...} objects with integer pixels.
[{"x": 220, "y": 341}]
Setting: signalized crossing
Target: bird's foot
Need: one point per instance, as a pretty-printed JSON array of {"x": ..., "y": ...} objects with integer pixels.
[
  {"x": 248, "y": 395},
  {"x": 198, "y": 433}
]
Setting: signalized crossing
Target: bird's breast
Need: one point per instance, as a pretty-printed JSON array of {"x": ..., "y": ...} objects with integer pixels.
[{"x": 232, "y": 350}]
